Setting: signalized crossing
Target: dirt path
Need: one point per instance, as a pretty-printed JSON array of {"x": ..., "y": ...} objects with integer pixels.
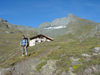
[{"x": 27, "y": 67}]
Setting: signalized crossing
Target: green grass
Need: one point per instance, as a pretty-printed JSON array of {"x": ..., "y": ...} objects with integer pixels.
[
  {"x": 75, "y": 67},
  {"x": 9, "y": 44},
  {"x": 73, "y": 49},
  {"x": 39, "y": 66},
  {"x": 69, "y": 46},
  {"x": 32, "y": 52}
]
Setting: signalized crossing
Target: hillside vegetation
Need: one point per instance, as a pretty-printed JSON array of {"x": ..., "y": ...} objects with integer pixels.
[
  {"x": 74, "y": 51},
  {"x": 67, "y": 54},
  {"x": 10, "y": 36}
]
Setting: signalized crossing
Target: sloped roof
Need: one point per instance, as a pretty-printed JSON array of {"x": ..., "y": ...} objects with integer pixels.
[{"x": 41, "y": 35}]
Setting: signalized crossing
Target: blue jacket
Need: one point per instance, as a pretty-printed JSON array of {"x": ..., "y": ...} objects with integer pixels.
[{"x": 23, "y": 42}]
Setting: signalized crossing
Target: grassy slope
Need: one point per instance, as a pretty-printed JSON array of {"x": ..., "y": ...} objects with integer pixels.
[
  {"x": 72, "y": 49},
  {"x": 66, "y": 48},
  {"x": 82, "y": 27},
  {"x": 10, "y": 39}
]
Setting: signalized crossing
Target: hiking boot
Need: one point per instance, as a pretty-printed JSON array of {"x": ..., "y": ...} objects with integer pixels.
[
  {"x": 26, "y": 54},
  {"x": 22, "y": 55}
]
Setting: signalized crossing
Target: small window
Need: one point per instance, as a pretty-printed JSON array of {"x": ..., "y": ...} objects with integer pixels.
[{"x": 36, "y": 40}]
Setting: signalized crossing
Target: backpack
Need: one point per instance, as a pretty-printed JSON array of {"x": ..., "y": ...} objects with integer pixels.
[{"x": 27, "y": 42}]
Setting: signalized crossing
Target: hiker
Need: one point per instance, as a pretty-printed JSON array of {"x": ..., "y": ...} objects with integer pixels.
[{"x": 24, "y": 45}]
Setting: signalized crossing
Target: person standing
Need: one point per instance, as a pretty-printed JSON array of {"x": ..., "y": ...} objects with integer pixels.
[{"x": 23, "y": 44}]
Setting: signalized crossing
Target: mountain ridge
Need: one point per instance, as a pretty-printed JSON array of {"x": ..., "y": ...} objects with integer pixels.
[{"x": 60, "y": 25}]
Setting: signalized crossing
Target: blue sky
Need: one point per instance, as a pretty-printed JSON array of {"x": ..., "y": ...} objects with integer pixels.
[{"x": 34, "y": 12}]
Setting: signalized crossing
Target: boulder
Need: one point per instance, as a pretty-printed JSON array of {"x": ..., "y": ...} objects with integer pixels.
[
  {"x": 49, "y": 68},
  {"x": 75, "y": 61},
  {"x": 96, "y": 50},
  {"x": 6, "y": 71},
  {"x": 86, "y": 55}
]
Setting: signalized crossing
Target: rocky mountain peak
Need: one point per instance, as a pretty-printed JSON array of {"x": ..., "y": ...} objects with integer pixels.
[{"x": 71, "y": 16}]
